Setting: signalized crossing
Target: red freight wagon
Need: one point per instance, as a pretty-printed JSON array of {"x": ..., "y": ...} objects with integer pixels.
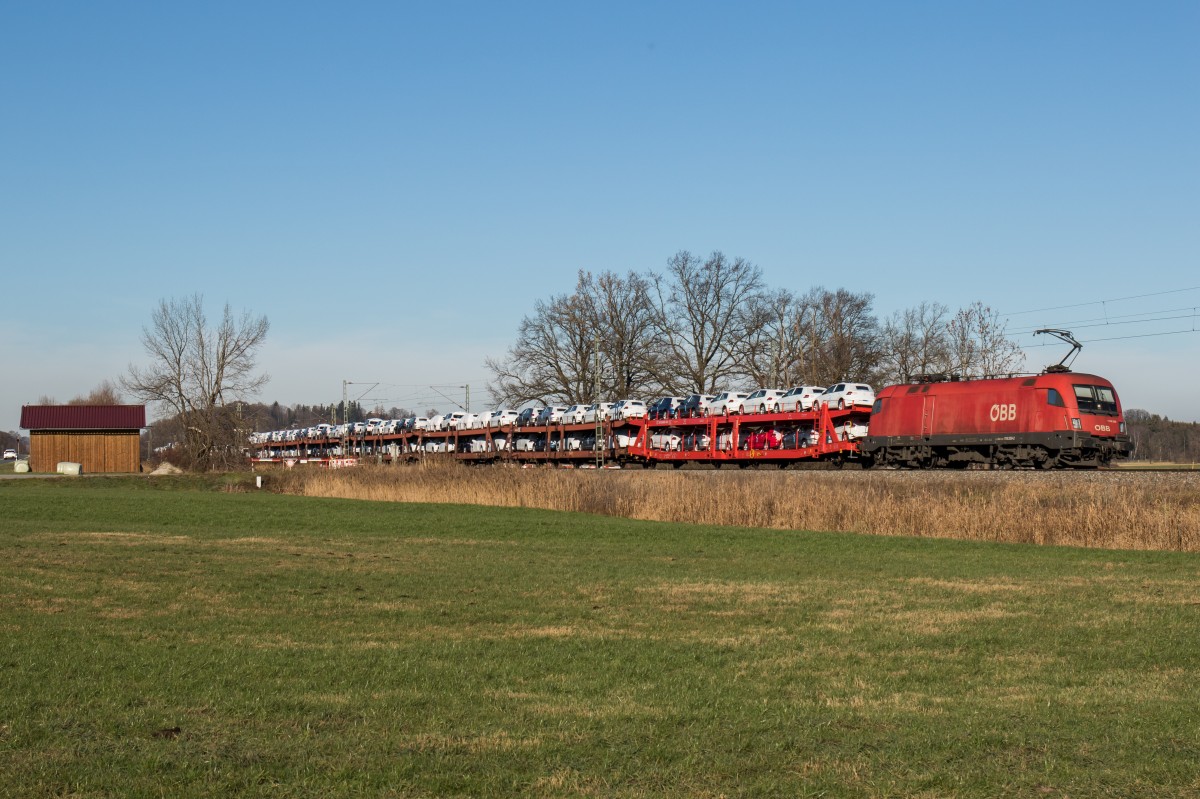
[{"x": 1054, "y": 419}]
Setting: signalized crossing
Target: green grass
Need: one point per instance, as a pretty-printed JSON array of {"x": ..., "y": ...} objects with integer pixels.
[{"x": 177, "y": 638}]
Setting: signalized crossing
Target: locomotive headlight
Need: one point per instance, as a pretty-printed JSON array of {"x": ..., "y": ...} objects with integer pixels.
[{"x": 1076, "y": 424}]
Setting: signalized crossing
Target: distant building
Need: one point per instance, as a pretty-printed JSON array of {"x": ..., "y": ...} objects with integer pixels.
[{"x": 103, "y": 438}]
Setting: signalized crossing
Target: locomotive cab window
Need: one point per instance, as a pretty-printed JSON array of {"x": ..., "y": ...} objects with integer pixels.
[
  {"x": 877, "y": 407},
  {"x": 1055, "y": 399},
  {"x": 1095, "y": 399}
]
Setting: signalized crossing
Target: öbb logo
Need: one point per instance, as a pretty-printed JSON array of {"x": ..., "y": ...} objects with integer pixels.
[{"x": 1004, "y": 413}]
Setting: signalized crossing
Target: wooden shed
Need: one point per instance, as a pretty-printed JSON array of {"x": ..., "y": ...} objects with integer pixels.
[{"x": 103, "y": 438}]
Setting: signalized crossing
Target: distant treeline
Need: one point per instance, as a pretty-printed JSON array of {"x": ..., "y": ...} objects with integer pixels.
[
  {"x": 12, "y": 439},
  {"x": 1156, "y": 438},
  {"x": 258, "y": 416},
  {"x": 283, "y": 417}
]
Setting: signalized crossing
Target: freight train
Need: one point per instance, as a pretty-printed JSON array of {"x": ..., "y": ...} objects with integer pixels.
[{"x": 1059, "y": 419}]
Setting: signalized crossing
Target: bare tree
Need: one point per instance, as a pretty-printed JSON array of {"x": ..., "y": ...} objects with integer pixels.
[
  {"x": 602, "y": 332},
  {"x": 698, "y": 310},
  {"x": 553, "y": 358},
  {"x": 979, "y": 346},
  {"x": 107, "y": 393},
  {"x": 845, "y": 336},
  {"x": 915, "y": 342},
  {"x": 622, "y": 319},
  {"x": 199, "y": 374},
  {"x": 775, "y": 341}
]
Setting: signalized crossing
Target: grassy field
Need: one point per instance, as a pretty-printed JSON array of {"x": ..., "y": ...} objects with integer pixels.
[{"x": 185, "y": 637}]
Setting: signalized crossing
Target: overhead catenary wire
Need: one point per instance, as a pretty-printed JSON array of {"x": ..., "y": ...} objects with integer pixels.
[
  {"x": 430, "y": 396},
  {"x": 1108, "y": 319},
  {"x": 1102, "y": 302},
  {"x": 1077, "y": 326},
  {"x": 1114, "y": 338},
  {"x": 1094, "y": 321}
]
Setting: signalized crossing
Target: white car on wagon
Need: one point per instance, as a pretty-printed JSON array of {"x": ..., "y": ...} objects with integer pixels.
[
  {"x": 726, "y": 402},
  {"x": 801, "y": 398},
  {"x": 848, "y": 395},
  {"x": 629, "y": 409},
  {"x": 765, "y": 400},
  {"x": 456, "y": 420},
  {"x": 575, "y": 414},
  {"x": 599, "y": 412},
  {"x": 503, "y": 417}
]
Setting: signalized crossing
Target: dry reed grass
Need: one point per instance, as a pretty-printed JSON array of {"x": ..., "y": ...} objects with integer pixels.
[{"x": 1154, "y": 511}]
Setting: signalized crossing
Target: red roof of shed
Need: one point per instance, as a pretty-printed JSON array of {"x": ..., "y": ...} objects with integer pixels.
[{"x": 83, "y": 417}]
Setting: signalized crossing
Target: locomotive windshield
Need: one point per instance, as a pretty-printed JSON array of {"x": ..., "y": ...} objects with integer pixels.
[{"x": 1096, "y": 399}]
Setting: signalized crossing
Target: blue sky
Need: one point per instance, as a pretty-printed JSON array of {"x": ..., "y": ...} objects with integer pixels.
[{"x": 394, "y": 184}]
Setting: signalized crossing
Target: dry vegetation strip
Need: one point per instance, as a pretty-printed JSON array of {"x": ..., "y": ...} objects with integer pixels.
[{"x": 1158, "y": 511}]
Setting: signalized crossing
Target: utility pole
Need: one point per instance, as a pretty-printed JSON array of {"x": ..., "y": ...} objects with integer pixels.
[
  {"x": 599, "y": 446},
  {"x": 345, "y": 447},
  {"x": 466, "y": 405}
]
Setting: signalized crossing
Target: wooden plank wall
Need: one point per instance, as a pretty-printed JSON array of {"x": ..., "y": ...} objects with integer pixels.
[{"x": 98, "y": 450}]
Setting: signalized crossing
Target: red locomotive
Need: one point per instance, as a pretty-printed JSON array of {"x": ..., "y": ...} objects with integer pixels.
[{"x": 1057, "y": 419}]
